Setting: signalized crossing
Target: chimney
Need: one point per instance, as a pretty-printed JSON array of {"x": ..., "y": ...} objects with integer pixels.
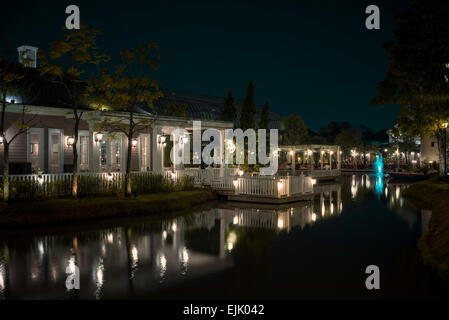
[{"x": 28, "y": 56}]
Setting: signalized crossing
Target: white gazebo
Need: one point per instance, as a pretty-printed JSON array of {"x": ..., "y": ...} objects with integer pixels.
[{"x": 319, "y": 161}]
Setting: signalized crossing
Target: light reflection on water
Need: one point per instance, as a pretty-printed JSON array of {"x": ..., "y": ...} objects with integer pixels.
[{"x": 144, "y": 258}]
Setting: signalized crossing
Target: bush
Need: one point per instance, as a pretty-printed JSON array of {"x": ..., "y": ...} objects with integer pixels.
[{"x": 94, "y": 185}]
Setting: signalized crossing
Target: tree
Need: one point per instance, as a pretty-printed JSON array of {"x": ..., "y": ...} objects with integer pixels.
[
  {"x": 175, "y": 110},
  {"x": 67, "y": 62},
  {"x": 418, "y": 73},
  {"x": 11, "y": 77},
  {"x": 248, "y": 109},
  {"x": 264, "y": 122},
  {"x": 295, "y": 131},
  {"x": 126, "y": 88},
  {"x": 229, "y": 111},
  {"x": 347, "y": 141}
]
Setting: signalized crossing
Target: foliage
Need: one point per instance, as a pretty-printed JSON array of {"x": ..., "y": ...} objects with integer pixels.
[
  {"x": 418, "y": 72},
  {"x": 125, "y": 88},
  {"x": 33, "y": 190},
  {"x": 67, "y": 62},
  {"x": 295, "y": 131},
  {"x": 264, "y": 122},
  {"x": 229, "y": 111},
  {"x": 347, "y": 141},
  {"x": 248, "y": 109}
]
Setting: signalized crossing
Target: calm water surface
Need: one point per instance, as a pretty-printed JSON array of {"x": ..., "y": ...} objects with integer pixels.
[{"x": 308, "y": 250}]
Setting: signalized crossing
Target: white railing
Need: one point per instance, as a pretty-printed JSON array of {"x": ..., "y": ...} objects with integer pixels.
[
  {"x": 276, "y": 187},
  {"x": 45, "y": 185},
  {"x": 214, "y": 178}
]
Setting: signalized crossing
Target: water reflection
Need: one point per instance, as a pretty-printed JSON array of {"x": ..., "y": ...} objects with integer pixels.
[
  {"x": 363, "y": 185},
  {"x": 143, "y": 258},
  {"x": 133, "y": 259}
]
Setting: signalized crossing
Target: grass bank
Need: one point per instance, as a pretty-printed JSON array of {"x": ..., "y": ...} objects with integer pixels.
[
  {"x": 434, "y": 244},
  {"x": 65, "y": 211}
]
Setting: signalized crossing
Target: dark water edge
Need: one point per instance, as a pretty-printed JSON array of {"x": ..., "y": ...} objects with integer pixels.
[{"x": 222, "y": 250}]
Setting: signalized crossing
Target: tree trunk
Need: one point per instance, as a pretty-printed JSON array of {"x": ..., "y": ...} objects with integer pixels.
[
  {"x": 75, "y": 159},
  {"x": 442, "y": 168},
  {"x": 128, "y": 166},
  {"x": 5, "y": 170}
]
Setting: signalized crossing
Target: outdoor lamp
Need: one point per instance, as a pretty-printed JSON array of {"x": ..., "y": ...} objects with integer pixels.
[
  {"x": 70, "y": 141},
  {"x": 134, "y": 142},
  {"x": 98, "y": 136},
  {"x": 445, "y": 125},
  {"x": 161, "y": 139}
]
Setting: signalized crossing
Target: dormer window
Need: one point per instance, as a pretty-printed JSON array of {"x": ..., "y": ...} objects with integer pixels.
[{"x": 28, "y": 56}]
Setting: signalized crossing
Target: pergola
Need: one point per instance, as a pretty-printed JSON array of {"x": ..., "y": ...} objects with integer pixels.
[{"x": 311, "y": 157}]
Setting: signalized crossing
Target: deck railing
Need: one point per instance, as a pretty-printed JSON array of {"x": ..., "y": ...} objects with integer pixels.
[
  {"x": 214, "y": 178},
  {"x": 275, "y": 187}
]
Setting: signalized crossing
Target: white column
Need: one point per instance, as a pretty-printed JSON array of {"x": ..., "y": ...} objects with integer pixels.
[
  {"x": 321, "y": 157},
  {"x": 293, "y": 161},
  {"x": 156, "y": 150},
  {"x": 222, "y": 154}
]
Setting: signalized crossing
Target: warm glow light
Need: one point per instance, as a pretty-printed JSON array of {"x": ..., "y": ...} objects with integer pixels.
[
  {"x": 313, "y": 217},
  {"x": 291, "y": 152},
  {"x": 313, "y": 182},
  {"x": 134, "y": 143},
  {"x": 174, "y": 227},
  {"x": 70, "y": 141},
  {"x": 231, "y": 240},
  {"x": 280, "y": 223},
  {"x": 135, "y": 254},
  {"x": 235, "y": 183},
  {"x": 240, "y": 172},
  {"x": 99, "y": 136},
  {"x": 235, "y": 220},
  {"x": 184, "y": 255},
  {"x": 161, "y": 139},
  {"x": 280, "y": 186}
]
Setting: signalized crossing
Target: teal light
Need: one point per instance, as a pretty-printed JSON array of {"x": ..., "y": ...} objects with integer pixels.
[
  {"x": 379, "y": 165},
  {"x": 379, "y": 169}
]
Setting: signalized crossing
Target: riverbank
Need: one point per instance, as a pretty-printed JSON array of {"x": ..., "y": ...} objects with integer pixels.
[
  {"x": 66, "y": 211},
  {"x": 434, "y": 244}
]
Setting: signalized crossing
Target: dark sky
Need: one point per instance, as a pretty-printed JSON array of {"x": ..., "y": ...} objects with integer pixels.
[{"x": 315, "y": 59}]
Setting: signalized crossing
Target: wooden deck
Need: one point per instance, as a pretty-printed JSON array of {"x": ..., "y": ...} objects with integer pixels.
[{"x": 271, "y": 200}]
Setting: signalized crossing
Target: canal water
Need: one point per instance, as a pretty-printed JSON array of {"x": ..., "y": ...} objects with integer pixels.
[{"x": 309, "y": 250}]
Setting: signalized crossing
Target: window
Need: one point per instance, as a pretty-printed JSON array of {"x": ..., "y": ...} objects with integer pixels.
[
  {"x": 144, "y": 152},
  {"x": 103, "y": 153},
  {"x": 54, "y": 153},
  {"x": 116, "y": 154},
  {"x": 34, "y": 151},
  {"x": 84, "y": 153}
]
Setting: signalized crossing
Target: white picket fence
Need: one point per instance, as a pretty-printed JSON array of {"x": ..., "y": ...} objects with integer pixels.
[
  {"x": 217, "y": 179},
  {"x": 61, "y": 184}
]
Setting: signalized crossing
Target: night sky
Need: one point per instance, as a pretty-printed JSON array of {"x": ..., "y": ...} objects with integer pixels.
[{"x": 316, "y": 60}]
